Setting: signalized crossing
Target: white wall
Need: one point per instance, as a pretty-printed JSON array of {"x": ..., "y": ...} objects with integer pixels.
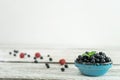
[{"x": 81, "y": 23}]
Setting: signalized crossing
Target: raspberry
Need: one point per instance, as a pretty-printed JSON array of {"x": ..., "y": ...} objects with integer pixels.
[
  {"x": 62, "y": 61},
  {"x": 37, "y": 55},
  {"x": 22, "y": 55}
]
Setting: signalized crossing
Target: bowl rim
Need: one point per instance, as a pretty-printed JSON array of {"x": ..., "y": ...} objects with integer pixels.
[{"x": 108, "y": 63}]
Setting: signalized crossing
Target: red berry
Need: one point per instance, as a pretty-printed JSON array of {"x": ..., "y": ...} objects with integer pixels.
[
  {"x": 22, "y": 55},
  {"x": 37, "y": 55},
  {"x": 62, "y": 61}
]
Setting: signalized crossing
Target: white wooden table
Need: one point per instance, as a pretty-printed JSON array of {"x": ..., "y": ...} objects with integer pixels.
[{"x": 33, "y": 71}]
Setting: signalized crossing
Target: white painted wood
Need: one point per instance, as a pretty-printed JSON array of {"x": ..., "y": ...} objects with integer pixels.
[{"x": 39, "y": 71}]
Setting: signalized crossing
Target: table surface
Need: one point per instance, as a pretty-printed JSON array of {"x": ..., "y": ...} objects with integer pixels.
[{"x": 26, "y": 70}]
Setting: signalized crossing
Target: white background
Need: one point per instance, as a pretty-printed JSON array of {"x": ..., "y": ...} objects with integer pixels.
[{"x": 70, "y": 23}]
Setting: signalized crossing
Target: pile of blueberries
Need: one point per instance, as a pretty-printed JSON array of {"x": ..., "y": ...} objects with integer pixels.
[{"x": 93, "y": 58}]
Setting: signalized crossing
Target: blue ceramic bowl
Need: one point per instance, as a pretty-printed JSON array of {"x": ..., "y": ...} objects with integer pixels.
[{"x": 92, "y": 69}]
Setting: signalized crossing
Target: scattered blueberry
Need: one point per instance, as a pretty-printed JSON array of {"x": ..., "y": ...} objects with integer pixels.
[
  {"x": 10, "y": 53},
  {"x": 28, "y": 55},
  {"x": 41, "y": 57},
  {"x": 66, "y": 66},
  {"x": 14, "y": 54},
  {"x": 25, "y": 53},
  {"x": 50, "y": 59},
  {"x": 35, "y": 61},
  {"x": 47, "y": 65},
  {"x": 34, "y": 57},
  {"x": 62, "y": 69},
  {"x": 16, "y": 51},
  {"x": 48, "y": 55}
]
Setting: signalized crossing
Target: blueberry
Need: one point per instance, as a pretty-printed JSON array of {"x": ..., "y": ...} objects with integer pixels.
[
  {"x": 34, "y": 57},
  {"x": 25, "y": 53},
  {"x": 47, "y": 65},
  {"x": 79, "y": 57},
  {"x": 101, "y": 53},
  {"x": 14, "y": 54},
  {"x": 41, "y": 57},
  {"x": 80, "y": 61},
  {"x": 77, "y": 60},
  {"x": 16, "y": 51},
  {"x": 48, "y": 55},
  {"x": 107, "y": 59},
  {"x": 93, "y": 61},
  {"x": 97, "y": 60},
  {"x": 10, "y": 53},
  {"x": 87, "y": 52},
  {"x": 28, "y": 55},
  {"x": 62, "y": 69},
  {"x": 50, "y": 59},
  {"x": 85, "y": 60},
  {"x": 102, "y": 61},
  {"x": 85, "y": 57},
  {"x": 101, "y": 57},
  {"x": 66, "y": 66},
  {"x": 35, "y": 61},
  {"x": 92, "y": 57},
  {"x": 97, "y": 55}
]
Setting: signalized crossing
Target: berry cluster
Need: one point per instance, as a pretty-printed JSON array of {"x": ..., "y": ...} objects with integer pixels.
[
  {"x": 93, "y": 58},
  {"x": 63, "y": 63},
  {"x": 38, "y": 56}
]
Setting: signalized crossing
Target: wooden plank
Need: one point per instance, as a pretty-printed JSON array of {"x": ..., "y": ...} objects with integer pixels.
[
  {"x": 39, "y": 71},
  {"x": 14, "y": 68}
]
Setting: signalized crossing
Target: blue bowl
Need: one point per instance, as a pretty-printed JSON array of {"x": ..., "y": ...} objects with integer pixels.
[{"x": 92, "y": 69}]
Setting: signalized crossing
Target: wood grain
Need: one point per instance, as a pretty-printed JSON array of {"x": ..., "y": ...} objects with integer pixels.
[{"x": 25, "y": 69}]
